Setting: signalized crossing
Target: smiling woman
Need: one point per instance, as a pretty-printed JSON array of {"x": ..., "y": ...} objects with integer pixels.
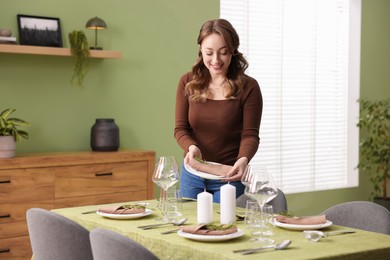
[{"x": 218, "y": 111}]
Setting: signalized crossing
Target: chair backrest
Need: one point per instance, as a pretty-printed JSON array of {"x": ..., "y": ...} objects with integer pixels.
[
  {"x": 364, "y": 215},
  {"x": 279, "y": 203},
  {"x": 107, "y": 244},
  {"x": 53, "y": 236}
]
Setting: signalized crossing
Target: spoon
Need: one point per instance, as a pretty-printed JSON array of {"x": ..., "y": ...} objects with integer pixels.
[
  {"x": 280, "y": 246},
  {"x": 178, "y": 222}
]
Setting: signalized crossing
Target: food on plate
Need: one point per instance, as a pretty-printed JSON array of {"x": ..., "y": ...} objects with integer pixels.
[
  {"x": 307, "y": 220},
  {"x": 210, "y": 229},
  {"x": 207, "y": 167},
  {"x": 123, "y": 209}
]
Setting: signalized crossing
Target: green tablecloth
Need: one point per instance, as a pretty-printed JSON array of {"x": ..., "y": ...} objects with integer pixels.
[{"x": 360, "y": 245}]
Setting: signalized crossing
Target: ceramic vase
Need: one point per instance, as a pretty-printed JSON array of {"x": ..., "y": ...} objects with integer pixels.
[{"x": 105, "y": 135}]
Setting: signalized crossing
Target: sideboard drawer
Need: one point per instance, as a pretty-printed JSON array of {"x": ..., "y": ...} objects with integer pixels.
[
  {"x": 17, "y": 211},
  {"x": 26, "y": 185},
  {"x": 15, "y": 248},
  {"x": 13, "y": 229},
  {"x": 87, "y": 180}
]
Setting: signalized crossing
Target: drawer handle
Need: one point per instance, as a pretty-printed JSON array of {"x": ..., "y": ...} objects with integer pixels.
[
  {"x": 103, "y": 174},
  {"x": 5, "y": 216},
  {"x": 4, "y": 250},
  {"x": 6, "y": 181}
]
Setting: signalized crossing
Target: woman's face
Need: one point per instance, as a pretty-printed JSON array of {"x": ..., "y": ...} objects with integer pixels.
[{"x": 215, "y": 54}]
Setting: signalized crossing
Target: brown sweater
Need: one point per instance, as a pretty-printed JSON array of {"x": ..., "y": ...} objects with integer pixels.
[{"x": 224, "y": 130}]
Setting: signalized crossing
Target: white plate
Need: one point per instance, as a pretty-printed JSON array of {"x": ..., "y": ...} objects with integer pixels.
[
  {"x": 302, "y": 227},
  {"x": 203, "y": 175},
  {"x": 125, "y": 216},
  {"x": 209, "y": 238}
]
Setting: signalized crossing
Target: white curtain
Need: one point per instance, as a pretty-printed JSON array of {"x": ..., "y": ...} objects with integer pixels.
[{"x": 305, "y": 54}]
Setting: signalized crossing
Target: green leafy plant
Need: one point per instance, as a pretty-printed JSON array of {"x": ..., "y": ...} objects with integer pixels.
[
  {"x": 9, "y": 125},
  {"x": 374, "y": 121},
  {"x": 80, "y": 53}
]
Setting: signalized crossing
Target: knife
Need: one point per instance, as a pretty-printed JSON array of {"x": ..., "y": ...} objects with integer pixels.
[
  {"x": 279, "y": 246},
  {"x": 337, "y": 232},
  {"x": 170, "y": 231},
  {"x": 89, "y": 212}
]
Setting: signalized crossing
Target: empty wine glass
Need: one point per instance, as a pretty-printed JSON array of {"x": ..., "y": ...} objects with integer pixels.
[
  {"x": 260, "y": 187},
  {"x": 246, "y": 177},
  {"x": 166, "y": 174},
  {"x": 259, "y": 222}
]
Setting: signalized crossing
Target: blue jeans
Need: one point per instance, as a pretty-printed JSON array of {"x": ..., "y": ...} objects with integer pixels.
[{"x": 191, "y": 185}]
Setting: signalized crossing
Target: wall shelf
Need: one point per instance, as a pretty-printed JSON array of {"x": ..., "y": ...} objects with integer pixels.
[{"x": 53, "y": 51}]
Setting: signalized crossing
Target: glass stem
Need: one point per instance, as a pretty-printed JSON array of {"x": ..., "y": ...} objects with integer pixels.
[
  {"x": 164, "y": 203},
  {"x": 160, "y": 199}
]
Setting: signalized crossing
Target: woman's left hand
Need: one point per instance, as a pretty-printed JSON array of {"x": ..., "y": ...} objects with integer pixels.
[{"x": 238, "y": 170}]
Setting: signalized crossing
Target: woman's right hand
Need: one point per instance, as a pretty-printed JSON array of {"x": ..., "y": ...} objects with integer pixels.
[{"x": 193, "y": 152}]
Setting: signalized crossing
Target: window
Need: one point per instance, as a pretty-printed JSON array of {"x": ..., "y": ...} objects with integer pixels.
[{"x": 305, "y": 55}]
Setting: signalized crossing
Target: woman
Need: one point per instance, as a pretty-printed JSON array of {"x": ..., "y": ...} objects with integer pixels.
[{"x": 218, "y": 110}]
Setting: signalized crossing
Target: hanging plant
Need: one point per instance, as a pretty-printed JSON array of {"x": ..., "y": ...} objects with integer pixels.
[{"x": 80, "y": 52}]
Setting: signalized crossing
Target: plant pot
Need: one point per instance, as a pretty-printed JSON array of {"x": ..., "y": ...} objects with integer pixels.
[
  {"x": 7, "y": 147},
  {"x": 383, "y": 202}
]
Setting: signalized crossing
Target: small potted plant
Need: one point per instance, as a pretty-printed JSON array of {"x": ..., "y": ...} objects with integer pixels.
[
  {"x": 9, "y": 133},
  {"x": 374, "y": 121}
]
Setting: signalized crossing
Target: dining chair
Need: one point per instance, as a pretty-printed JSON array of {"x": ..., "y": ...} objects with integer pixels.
[
  {"x": 279, "y": 203},
  {"x": 364, "y": 215},
  {"x": 107, "y": 244},
  {"x": 54, "y": 236}
]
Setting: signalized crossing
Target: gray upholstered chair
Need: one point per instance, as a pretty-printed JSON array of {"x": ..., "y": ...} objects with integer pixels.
[
  {"x": 279, "y": 203},
  {"x": 107, "y": 244},
  {"x": 54, "y": 236},
  {"x": 364, "y": 215}
]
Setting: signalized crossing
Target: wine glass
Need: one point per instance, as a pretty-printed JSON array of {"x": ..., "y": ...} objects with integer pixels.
[
  {"x": 246, "y": 177},
  {"x": 260, "y": 187},
  {"x": 166, "y": 174}
]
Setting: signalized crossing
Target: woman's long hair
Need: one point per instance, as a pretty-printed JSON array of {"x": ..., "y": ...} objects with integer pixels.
[{"x": 197, "y": 89}]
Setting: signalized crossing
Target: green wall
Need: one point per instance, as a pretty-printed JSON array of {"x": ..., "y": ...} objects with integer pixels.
[{"x": 158, "y": 42}]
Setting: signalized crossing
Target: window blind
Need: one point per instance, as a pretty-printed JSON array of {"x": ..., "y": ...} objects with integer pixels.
[{"x": 305, "y": 55}]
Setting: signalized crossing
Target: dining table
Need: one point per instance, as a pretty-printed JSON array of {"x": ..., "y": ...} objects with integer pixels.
[{"x": 359, "y": 245}]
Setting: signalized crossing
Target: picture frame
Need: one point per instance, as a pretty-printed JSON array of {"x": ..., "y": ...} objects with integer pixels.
[{"x": 39, "y": 30}]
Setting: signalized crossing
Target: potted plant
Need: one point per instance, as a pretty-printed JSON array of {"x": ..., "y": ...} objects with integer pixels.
[
  {"x": 80, "y": 53},
  {"x": 374, "y": 121},
  {"x": 9, "y": 133}
]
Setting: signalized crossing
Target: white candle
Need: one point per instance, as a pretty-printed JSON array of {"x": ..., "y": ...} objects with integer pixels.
[
  {"x": 205, "y": 208},
  {"x": 228, "y": 204}
]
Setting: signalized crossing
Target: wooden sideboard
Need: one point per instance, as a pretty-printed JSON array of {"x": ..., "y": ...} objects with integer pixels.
[{"x": 57, "y": 180}]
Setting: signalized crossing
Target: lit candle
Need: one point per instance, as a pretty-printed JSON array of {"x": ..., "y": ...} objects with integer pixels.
[
  {"x": 228, "y": 204},
  {"x": 205, "y": 208}
]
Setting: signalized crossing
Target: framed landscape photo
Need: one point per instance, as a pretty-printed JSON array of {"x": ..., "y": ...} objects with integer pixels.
[{"x": 39, "y": 30}]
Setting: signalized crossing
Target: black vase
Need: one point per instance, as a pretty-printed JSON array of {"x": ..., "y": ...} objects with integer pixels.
[{"x": 105, "y": 135}]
